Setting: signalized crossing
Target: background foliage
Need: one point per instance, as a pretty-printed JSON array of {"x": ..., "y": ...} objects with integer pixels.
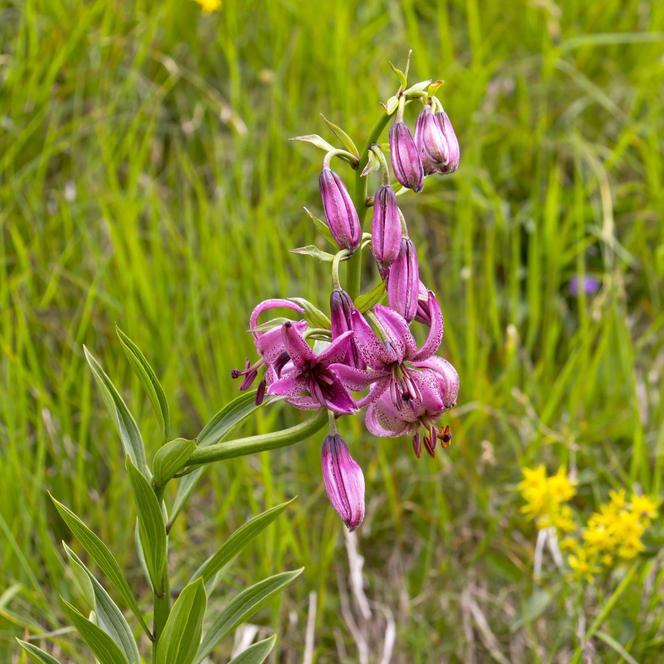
[{"x": 146, "y": 180}]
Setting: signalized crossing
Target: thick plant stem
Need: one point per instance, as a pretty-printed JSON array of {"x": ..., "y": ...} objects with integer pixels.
[
  {"x": 360, "y": 200},
  {"x": 162, "y": 607},
  {"x": 252, "y": 444}
]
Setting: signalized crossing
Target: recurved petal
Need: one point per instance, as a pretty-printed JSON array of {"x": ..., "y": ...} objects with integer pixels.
[
  {"x": 291, "y": 385},
  {"x": 334, "y": 396},
  {"x": 355, "y": 379},
  {"x": 435, "y": 336},
  {"x": 296, "y": 347},
  {"x": 274, "y": 303},
  {"x": 446, "y": 375},
  {"x": 338, "y": 350},
  {"x": 383, "y": 420},
  {"x": 372, "y": 349},
  {"x": 270, "y": 345},
  {"x": 397, "y": 332}
]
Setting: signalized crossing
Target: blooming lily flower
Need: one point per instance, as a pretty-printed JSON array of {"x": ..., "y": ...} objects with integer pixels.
[
  {"x": 307, "y": 379},
  {"x": 410, "y": 387},
  {"x": 269, "y": 345},
  {"x": 344, "y": 481}
]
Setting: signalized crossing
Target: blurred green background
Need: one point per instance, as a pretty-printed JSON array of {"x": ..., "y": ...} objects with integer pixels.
[{"x": 146, "y": 180}]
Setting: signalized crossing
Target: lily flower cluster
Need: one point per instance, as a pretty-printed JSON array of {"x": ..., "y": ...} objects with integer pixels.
[
  {"x": 613, "y": 533},
  {"x": 364, "y": 356}
]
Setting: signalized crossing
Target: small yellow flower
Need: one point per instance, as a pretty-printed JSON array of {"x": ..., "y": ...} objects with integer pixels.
[
  {"x": 209, "y": 6},
  {"x": 645, "y": 506},
  {"x": 545, "y": 497}
]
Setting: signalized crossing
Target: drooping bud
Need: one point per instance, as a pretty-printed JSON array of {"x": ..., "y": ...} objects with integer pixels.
[
  {"x": 340, "y": 212},
  {"x": 423, "y": 314},
  {"x": 385, "y": 227},
  {"x": 344, "y": 481},
  {"x": 405, "y": 157},
  {"x": 403, "y": 281},
  {"x": 341, "y": 318},
  {"x": 453, "y": 150},
  {"x": 436, "y": 142}
]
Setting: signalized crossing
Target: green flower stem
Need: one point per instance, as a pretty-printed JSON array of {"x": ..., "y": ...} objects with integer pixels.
[
  {"x": 162, "y": 607},
  {"x": 360, "y": 200},
  {"x": 252, "y": 444}
]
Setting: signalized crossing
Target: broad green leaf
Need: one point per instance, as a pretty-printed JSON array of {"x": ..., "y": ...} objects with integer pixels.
[
  {"x": 149, "y": 379},
  {"x": 237, "y": 541},
  {"x": 219, "y": 426},
  {"x": 124, "y": 421},
  {"x": 242, "y": 607},
  {"x": 107, "y": 614},
  {"x": 365, "y": 301},
  {"x": 170, "y": 458},
  {"x": 151, "y": 526},
  {"x": 103, "y": 646},
  {"x": 37, "y": 654},
  {"x": 345, "y": 139},
  {"x": 182, "y": 632},
  {"x": 256, "y": 653},
  {"x": 313, "y": 251},
  {"x": 100, "y": 553}
]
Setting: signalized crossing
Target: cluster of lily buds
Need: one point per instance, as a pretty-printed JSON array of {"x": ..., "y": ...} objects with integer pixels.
[{"x": 367, "y": 359}]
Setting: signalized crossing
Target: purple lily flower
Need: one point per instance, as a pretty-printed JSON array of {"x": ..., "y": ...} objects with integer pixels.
[
  {"x": 437, "y": 142},
  {"x": 385, "y": 227},
  {"x": 269, "y": 345},
  {"x": 340, "y": 212},
  {"x": 405, "y": 157},
  {"x": 344, "y": 481},
  {"x": 341, "y": 310},
  {"x": 307, "y": 379},
  {"x": 403, "y": 281},
  {"x": 410, "y": 387}
]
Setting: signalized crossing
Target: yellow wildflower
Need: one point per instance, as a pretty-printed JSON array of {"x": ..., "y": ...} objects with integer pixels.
[
  {"x": 209, "y": 6},
  {"x": 545, "y": 497},
  {"x": 645, "y": 506},
  {"x": 582, "y": 564}
]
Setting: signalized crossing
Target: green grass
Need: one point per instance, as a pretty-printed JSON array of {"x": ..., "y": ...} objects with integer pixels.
[{"x": 146, "y": 180}]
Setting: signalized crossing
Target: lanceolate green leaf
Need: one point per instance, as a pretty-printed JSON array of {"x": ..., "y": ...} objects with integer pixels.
[
  {"x": 99, "y": 642},
  {"x": 170, "y": 458},
  {"x": 124, "y": 421},
  {"x": 181, "y": 637},
  {"x": 219, "y": 426},
  {"x": 256, "y": 653},
  {"x": 149, "y": 379},
  {"x": 37, "y": 654},
  {"x": 107, "y": 615},
  {"x": 151, "y": 526},
  {"x": 237, "y": 541},
  {"x": 373, "y": 296},
  {"x": 242, "y": 607},
  {"x": 99, "y": 552}
]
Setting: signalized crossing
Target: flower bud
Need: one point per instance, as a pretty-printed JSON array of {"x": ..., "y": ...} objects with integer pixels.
[
  {"x": 344, "y": 481},
  {"x": 403, "y": 281},
  {"x": 341, "y": 314},
  {"x": 436, "y": 142},
  {"x": 340, "y": 212},
  {"x": 385, "y": 227},
  {"x": 405, "y": 157}
]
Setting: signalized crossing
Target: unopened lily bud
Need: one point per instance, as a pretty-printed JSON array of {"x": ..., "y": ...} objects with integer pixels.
[
  {"x": 340, "y": 212},
  {"x": 341, "y": 318},
  {"x": 437, "y": 142},
  {"x": 344, "y": 481},
  {"x": 385, "y": 227},
  {"x": 403, "y": 281},
  {"x": 405, "y": 157}
]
